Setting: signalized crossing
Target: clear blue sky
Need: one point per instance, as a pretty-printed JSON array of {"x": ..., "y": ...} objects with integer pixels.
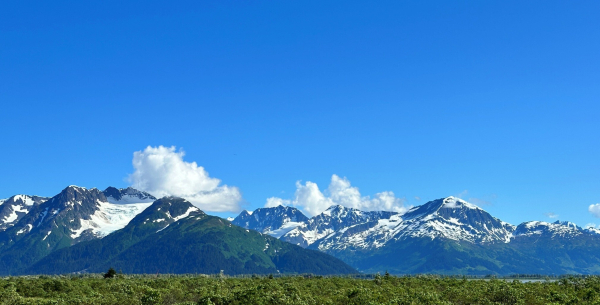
[{"x": 422, "y": 98}]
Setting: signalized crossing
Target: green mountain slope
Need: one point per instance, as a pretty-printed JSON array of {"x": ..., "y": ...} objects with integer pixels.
[
  {"x": 172, "y": 236},
  {"x": 523, "y": 255},
  {"x": 441, "y": 256},
  {"x": 573, "y": 255}
]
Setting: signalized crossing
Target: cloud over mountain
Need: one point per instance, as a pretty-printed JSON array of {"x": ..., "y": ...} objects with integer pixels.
[
  {"x": 309, "y": 197},
  {"x": 594, "y": 209},
  {"x": 162, "y": 171}
]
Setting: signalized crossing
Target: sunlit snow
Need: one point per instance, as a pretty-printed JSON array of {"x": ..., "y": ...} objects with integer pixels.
[
  {"x": 109, "y": 217},
  {"x": 288, "y": 226}
]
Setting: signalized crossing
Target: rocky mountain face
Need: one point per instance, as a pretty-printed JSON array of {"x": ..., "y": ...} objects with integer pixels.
[
  {"x": 335, "y": 219},
  {"x": 448, "y": 235},
  {"x": 127, "y": 195},
  {"x": 75, "y": 214},
  {"x": 273, "y": 221},
  {"x": 558, "y": 229},
  {"x": 88, "y": 230},
  {"x": 15, "y": 207},
  {"x": 448, "y": 218},
  {"x": 173, "y": 236}
]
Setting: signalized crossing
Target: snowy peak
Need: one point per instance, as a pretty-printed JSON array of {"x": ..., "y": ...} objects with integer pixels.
[
  {"x": 25, "y": 200},
  {"x": 455, "y": 219},
  {"x": 176, "y": 208},
  {"x": 78, "y": 214},
  {"x": 165, "y": 211},
  {"x": 344, "y": 216},
  {"x": 335, "y": 210},
  {"x": 334, "y": 219},
  {"x": 274, "y": 221},
  {"x": 15, "y": 207},
  {"x": 77, "y": 196},
  {"x": 454, "y": 202},
  {"x": 127, "y": 195},
  {"x": 562, "y": 229},
  {"x": 446, "y": 205},
  {"x": 448, "y": 218}
]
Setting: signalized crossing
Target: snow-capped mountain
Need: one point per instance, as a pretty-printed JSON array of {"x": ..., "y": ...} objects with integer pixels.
[
  {"x": 336, "y": 218},
  {"x": 449, "y": 218},
  {"x": 275, "y": 221},
  {"x": 562, "y": 229},
  {"x": 74, "y": 215},
  {"x": 166, "y": 211},
  {"x": 15, "y": 207},
  {"x": 454, "y": 219},
  {"x": 447, "y": 235},
  {"x": 340, "y": 227},
  {"x": 127, "y": 195},
  {"x": 82, "y": 213},
  {"x": 173, "y": 236}
]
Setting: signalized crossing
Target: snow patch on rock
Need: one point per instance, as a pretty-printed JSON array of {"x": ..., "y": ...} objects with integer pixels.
[{"x": 108, "y": 218}]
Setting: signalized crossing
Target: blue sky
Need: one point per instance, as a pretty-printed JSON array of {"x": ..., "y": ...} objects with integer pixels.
[{"x": 495, "y": 101}]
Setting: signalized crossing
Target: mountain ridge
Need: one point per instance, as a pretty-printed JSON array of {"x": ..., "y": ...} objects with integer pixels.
[
  {"x": 451, "y": 230},
  {"x": 173, "y": 236},
  {"x": 74, "y": 215}
]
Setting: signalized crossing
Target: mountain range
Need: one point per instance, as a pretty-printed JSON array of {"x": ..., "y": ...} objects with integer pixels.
[
  {"x": 88, "y": 230},
  {"x": 446, "y": 236}
]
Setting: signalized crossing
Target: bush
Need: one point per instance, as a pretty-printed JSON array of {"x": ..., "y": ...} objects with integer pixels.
[
  {"x": 386, "y": 289},
  {"x": 110, "y": 273}
]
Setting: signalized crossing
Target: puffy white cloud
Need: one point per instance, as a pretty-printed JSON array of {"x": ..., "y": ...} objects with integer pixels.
[
  {"x": 274, "y": 202},
  {"x": 162, "y": 171},
  {"x": 311, "y": 200},
  {"x": 595, "y": 209},
  {"x": 551, "y": 215}
]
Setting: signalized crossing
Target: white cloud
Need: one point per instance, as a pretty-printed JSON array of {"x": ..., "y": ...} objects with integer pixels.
[
  {"x": 595, "y": 209},
  {"x": 590, "y": 225},
  {"x": 450, "y": 203},
  {"x": 161, "y": 171},
  {"x": 274, "y": 202},
  {"x": 551, "y": 215},
  {"x": 311, "y": 200}
]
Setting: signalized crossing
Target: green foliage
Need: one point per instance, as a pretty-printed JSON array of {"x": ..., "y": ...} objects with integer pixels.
[
  {"x": 151, "y": 297},
  {"x": 387, "y": 289}
]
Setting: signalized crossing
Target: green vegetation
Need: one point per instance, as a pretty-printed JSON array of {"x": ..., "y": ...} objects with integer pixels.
[{"x": 387, "y": 289}]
